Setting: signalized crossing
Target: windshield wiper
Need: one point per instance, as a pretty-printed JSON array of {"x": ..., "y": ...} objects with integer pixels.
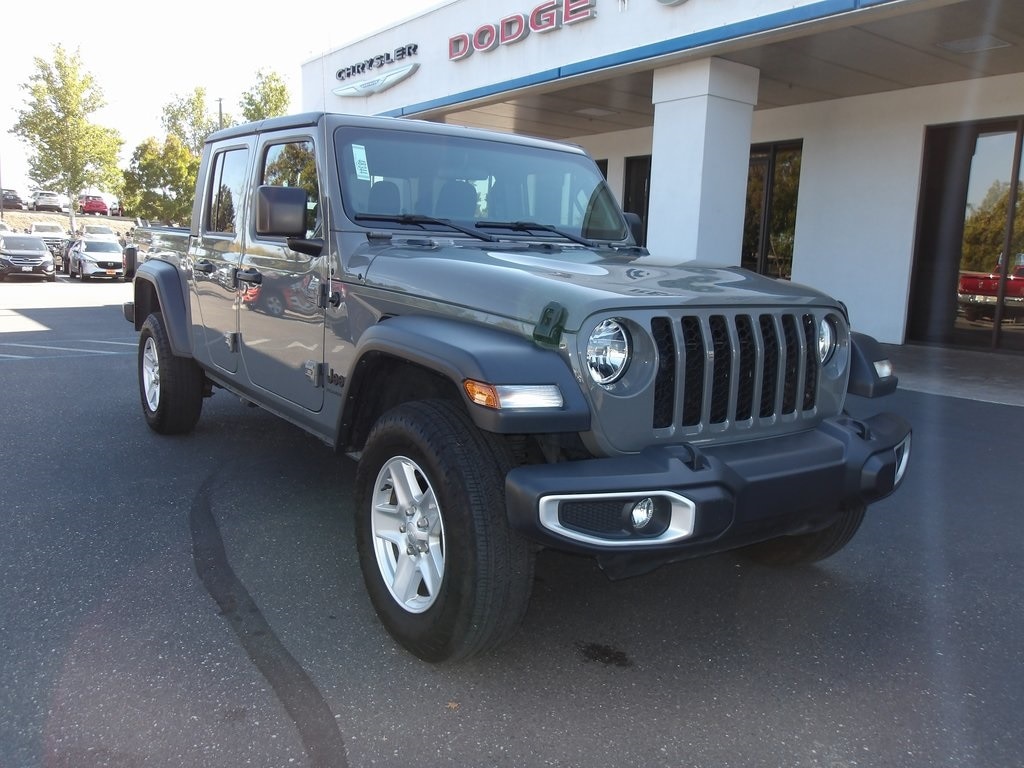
[
  {"x": 535, "y": 226},
  {"x": 420, "y": 220}
]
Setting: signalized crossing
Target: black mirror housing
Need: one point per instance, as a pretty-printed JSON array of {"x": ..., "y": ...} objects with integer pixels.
[{"x": 280, "y": 211}]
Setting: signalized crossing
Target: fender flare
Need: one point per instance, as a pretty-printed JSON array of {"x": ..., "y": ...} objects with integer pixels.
[
  {"x": 459, "y": 351},
  {"x": 163, "y": 280}
]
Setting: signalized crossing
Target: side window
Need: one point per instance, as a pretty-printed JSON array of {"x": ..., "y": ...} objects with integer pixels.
[
  {"x": 226, "y": 192},
  {"x": 293, "y": 164}
]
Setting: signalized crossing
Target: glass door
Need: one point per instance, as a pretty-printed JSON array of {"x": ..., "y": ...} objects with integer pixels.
[
  {"x": 990, "y": 283},
  {"x": 769, "y": 226}
]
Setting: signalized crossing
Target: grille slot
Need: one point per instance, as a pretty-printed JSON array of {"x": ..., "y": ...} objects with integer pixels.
[
  {"x": 693, "y": 379},
  {"x": 665, "y": 382},
  {"x": 810, "y": 361},
  {"x": 717, "y": 371}
]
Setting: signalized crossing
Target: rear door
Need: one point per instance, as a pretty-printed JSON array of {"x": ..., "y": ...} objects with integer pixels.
[
  {"x": 281, "y": 319},
  {"x": 217, "y": 250}
]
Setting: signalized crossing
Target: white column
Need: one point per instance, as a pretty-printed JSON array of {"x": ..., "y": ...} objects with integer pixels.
[{"x": 702, "y": 123}]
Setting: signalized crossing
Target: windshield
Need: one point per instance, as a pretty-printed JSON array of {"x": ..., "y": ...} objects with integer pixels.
[
  {"x": 48, "y": 228},
  {"x": 22, "y": 243},
  {"x": 97, "y": 230},
  {"x": 394, "y": 173}
]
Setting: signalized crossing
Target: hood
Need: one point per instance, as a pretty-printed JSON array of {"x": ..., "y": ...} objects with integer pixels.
[{"x": 517, "y": 280}]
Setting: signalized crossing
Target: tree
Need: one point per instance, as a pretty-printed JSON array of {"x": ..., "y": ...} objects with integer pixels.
[
  {"x": 985, "y": 229},
  {"x": 66, "y": 151},
  {"x": 267, "y": 98},
  {"x": 160, "y": 180},
  {"x": 187, "y": 118}
]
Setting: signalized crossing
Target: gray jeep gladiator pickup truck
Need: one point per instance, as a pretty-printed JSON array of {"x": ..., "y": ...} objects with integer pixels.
[{"x": 467, "y": 315}]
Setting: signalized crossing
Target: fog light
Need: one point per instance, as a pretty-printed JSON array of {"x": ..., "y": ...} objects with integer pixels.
[{"x": 642, "y": 513}]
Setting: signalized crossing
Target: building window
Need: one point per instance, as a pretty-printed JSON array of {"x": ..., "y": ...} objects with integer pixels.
[{"x": 773, "y": 184}]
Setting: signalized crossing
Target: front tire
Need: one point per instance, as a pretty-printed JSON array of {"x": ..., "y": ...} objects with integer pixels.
[
  {"x": 447, "y": 576},
  {"x": 171, "y": 387},
  {"x": 808, "y": 548}
]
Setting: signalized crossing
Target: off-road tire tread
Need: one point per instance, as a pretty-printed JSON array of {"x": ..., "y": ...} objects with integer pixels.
[
  {"x": 181, "y": 384},
  {"x": 502, "y": 561}
]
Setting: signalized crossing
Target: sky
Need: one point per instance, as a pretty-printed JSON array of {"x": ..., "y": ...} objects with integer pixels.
[{"x": 145, "y": 54}]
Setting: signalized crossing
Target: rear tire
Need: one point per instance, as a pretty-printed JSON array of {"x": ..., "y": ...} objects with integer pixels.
[
  {"x": 171, "y": 387},
  {"x": 447, "y": 576},
  {"x": 809, "y": 547}
]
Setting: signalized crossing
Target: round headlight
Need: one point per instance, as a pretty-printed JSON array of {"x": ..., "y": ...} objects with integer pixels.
[
  {"x": 608, "y": 352},
  {"x": 826, "y": 339}
]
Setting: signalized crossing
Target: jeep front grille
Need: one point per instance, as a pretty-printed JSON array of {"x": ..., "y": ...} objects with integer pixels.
[{"x": 721, "y": 370}]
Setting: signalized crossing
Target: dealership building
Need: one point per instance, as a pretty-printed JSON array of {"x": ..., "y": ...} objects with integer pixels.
[{"x": 869, "y": 148}]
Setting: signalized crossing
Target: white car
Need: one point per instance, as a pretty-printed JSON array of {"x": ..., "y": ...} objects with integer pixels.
[
  {"x": 45, "y": 200},
  {"x": 89, "y": 258},
  {"x": 98, "y": 232}
]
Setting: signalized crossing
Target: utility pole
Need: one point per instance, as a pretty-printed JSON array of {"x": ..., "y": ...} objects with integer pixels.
[{"x": 220, "y": 112}]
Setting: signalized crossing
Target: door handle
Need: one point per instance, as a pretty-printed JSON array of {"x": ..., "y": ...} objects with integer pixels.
[
  {"x": 204, "y": 266},
  {"x": 252, "y": 276}
]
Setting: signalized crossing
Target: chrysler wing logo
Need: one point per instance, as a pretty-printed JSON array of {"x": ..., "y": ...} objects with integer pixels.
[{"x": 377, "y": 84}]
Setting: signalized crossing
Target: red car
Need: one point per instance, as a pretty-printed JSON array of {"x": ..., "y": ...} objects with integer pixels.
[{"x": 92, "y": 204}]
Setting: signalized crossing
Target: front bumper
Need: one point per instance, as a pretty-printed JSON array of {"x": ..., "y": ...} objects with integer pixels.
[
  {"x": 708, "y": 499},
  {"x": 9, "y": 269},
  {"x": 111, "y": 269}
]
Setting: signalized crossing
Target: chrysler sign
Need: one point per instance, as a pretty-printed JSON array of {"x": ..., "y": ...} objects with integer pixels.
[
  {"x": 516, "y": 27},
  {"x": 382, "y": 81}
]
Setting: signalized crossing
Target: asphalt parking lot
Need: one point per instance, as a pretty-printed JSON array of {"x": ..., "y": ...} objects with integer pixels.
[{"x": 197, "y": 601}]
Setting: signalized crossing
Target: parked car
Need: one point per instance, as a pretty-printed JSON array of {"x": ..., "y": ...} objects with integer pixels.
[
  {"x": 55, "y": 238},
  {"x": 98, "y": 232},
  {"x": 44, "y": 200},
  {"x": 12, "y": 200},
  {"x": 93, "y": 204},
  {"x": 25, "y": 255},
  {"x": 95, "y": 258},
  {"x": 978, "y": 293}
]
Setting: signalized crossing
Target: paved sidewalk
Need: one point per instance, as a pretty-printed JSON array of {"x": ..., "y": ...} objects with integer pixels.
[{"x": 994, "y": 377}]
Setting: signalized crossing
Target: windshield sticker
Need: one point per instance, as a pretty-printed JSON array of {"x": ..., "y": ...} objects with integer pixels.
[{"x": 359, "y": 158}]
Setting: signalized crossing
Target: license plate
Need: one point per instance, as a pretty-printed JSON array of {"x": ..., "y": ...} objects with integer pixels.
[
  {"x": 26, "y": 269},
  {"x": 111, "y": 272}
]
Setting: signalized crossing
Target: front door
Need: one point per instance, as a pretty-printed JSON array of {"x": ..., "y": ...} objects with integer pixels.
[{"x": 281, "y": 319}]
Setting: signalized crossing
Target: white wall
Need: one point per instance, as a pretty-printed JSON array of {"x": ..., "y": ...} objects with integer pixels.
[{"x": 859, "y": 184}]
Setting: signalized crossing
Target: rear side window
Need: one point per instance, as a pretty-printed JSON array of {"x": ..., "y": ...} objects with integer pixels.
[{"x": 226, "y": 192}]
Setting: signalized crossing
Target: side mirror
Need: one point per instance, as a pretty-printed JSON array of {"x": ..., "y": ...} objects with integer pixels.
[
  {"x": 280, "y": 211},
  {"x": 636, "y": 226}
]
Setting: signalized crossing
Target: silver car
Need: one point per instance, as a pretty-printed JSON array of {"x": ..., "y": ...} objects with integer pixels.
[{"x": 95, "y": 258}]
